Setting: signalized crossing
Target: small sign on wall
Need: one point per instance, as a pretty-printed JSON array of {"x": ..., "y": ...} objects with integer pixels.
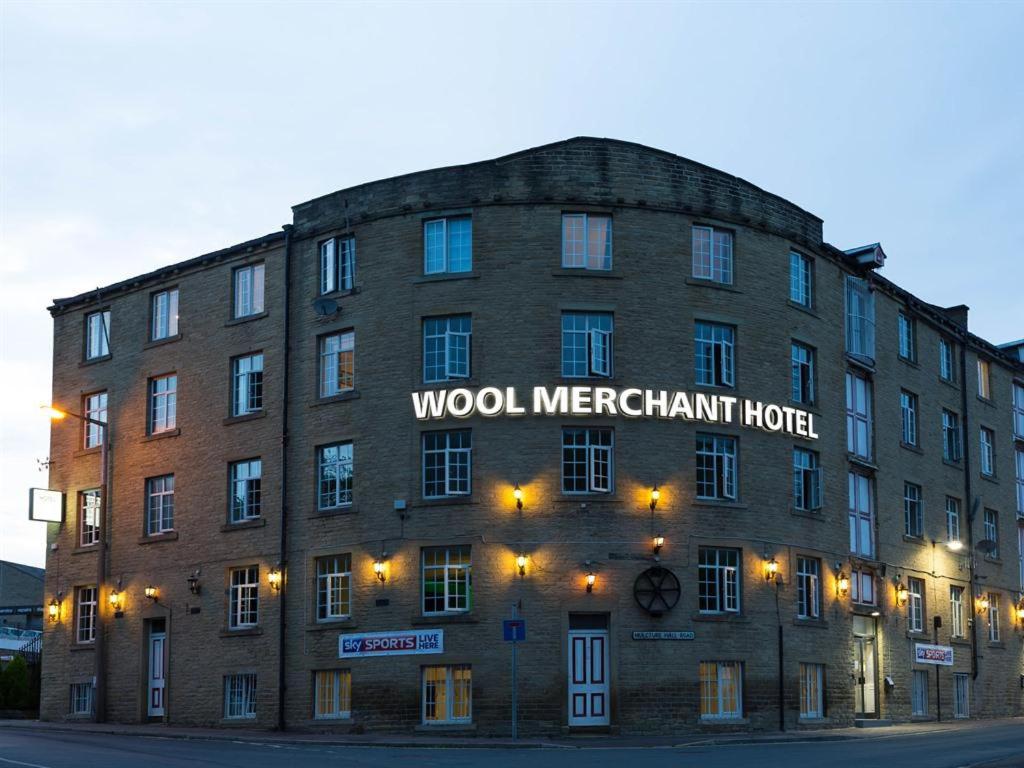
[
  {"x": 941, "y": 655},
  {"x": 397, "y": 643},
  {"x": 663, "y": 635},
  {"x": 45, "y": 505}
]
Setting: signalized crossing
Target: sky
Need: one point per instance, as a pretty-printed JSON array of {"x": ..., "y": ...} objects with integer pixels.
[{"x": 138, "y": 134}]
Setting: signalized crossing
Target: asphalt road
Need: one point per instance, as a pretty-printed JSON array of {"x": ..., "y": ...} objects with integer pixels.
[{"x": 996, "y": 746}]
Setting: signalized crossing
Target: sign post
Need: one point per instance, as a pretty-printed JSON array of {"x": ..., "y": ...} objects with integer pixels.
[{"x": 514, "y": 631}]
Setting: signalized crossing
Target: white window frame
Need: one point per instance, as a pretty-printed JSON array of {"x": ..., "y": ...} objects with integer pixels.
[
  {"x": 907, "y": 342},
  {"x": 343, "y": 479},
  {"x": 333, "y": 587},
  {"x": 812, "y": 691},
  {"x": 861, "y": 509},
  {"x": 859, "y": 426},
  {"x": 86, "y": 604},
  {"x": 952, "y": 519},
  {"x": 908, "y": 417},
  {"x": 456, "y": 568},
  {"x": 454, "y": 343},
  {"x": 961, "y": 695},
  {"x": 458, "y": 682},
  {"x": 952, "y": 448},
  {"x": 801, "y": 280},
  {"x": 82, "y": 699},
  {"x": 246, "y": 478},
  {"x": 956, "y": 610},
  {"x": 714, "y": 354},
  {"x": 95, "y": 408},
  {"x": 919, "y": 693},
  {"x": 862, "y": 587},
  {"x": 446, "y": 267},
  {"x": 337, "y": 363},
  {"x": 573, "y": 233},
  {"x": 990, "y": 527},
  {"x": 915, "y": 604},
  {"x": 1019, "y": 459},
  {"x": 722, "y": 453},
  {"x": 1020, "y": 554},
  {"x": 1017, "y": 398},
  {"x": 984, "y": 379},
  {"x": 454, "y": 457},
  {"x": 913, "y": 510},
  {"x": 860, "y": 318},
  {"x": 89, "y": 506},
  {"x": 243, "y": 597},
  {"x": 987, "y": 443},
  {"x": 731, "y": 709},
  {"x": 718, "y": 254},
  {"x": 994, "y": 634},
  {"x": 249, "y": 290},
  {"x": 159, "y": 504},
  {"x": 598, "y": 454},
  {"x": 808, "y": 587},
  {"x": 598, "y": 343},
  {"x": 807, "y": 480},
  {"x": 97, "y": 334},
  {"x": 947, "y": 369},
  {"x": 337, "y": 264},
  {"x": 718, "y": 576},
  {"x": 247, "y": 384},
  {"x": 240, "y": 696},
  {"x": 802, "y": 368},
  {"x": 165, "y": 315},
  {"x": 163, "y": 403},
  {"x": 340, "y": 694}
]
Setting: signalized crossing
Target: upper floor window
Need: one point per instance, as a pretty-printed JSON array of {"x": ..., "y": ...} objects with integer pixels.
[
  {"x": 587, "y": 344},
  {"x": 163, "y": 403},
  {"x": 908, "y": 417},
  {"x": 447, "y": 463},
  {"x": 858, "y": 415},
  {"x": 952, "y": 520},
  {"x": 950, "y": 436},
  {"x": 802, "y": 364},
  {"x": 334, "y": 476},
  {"x": 249, "y": 290},
  {"x": 159, "y": 504},
  {"x": 862, "y": 586},
  {"x": 85, "y": 615},
  {"x": 446, "y": 347},
  {"x": 165, "y": 315},
  {"x": 984, "y": 380},
  {"x": 806, "y": 480},
  {"x": 89, "y": 518},
  {"x": 337, "y": 264},
  {"x": 990, "y": 529},
  {"x": 246, "y": 490},
  {"x": 915, "y": 605},
  {"x": 447, "y": 580},
  {"x": 715, "y": 345},
  {"x": 862, "y": 515},
  {"x": 993, "y": 617},
  {"x": 860, "y": 318},
  {"x": 587, "y": 461},
  {"x": 1020, "y": 481},
  {"x": 800, "y": 279},
  {"x": 712, "y": 254},
  {"x": 913, "y": 511},
  {"x": 956, "y": 611},
  {"x": 718, "y": 580},
  {"x": 1018, "y": 409},
  {"x": 447, "y": 245},
  {"x": 586, "y": 241},
  {"x": 337, "y": 363},
  {"x": 907, "y": 336},
  {"x": 96, "y": 409},
  {"x": 947, "y": 371},
  {"x": 244, "y": 597},
  {"x": 808, "y": 587},
  {"x": 97, "y": 334},
  {"x": 716, "y": 467},
  {"x": 988, "y": 451},
  {"x": 247, "y": 384},
  {"x": 333, "y": 587}
]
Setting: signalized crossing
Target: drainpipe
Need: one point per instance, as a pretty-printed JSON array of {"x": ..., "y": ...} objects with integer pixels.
[
  {"x": 285, "y": 396},
  {"x": 972, "y": 509}
]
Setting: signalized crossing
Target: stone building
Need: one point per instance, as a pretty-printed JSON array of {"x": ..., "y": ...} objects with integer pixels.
[{"x": 729, "y": 475}]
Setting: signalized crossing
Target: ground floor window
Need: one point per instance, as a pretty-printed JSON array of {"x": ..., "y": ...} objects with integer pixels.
[
  {"x": 812, "y": 691},
  {"x": 919, "y": 702},
  {"x": 240, "y": 696},
  {"x": 81, "y": 699},
  {"x": 332, "y": 697},
  {"x": 721, "y": 694},
  {"x": 961, "y": 695},
  {"x": 448, "y": 694}
]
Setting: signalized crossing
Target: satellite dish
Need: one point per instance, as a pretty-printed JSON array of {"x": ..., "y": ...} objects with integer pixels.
[
  {"x": 326, "y": 307},
  {"x": 986, "y": 546}
]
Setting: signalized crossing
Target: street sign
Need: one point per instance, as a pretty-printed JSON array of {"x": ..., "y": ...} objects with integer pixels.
[
  {"x": 663, "y": 635},
  {"x": 513, "y": 630},
  {"x": 45, "y": 505},
  {"x": 398, "y": 643},
  {"x": 941, "y": 655}
]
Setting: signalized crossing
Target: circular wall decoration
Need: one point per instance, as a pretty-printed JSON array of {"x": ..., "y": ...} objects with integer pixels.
[{"x": 656, "y": 590}]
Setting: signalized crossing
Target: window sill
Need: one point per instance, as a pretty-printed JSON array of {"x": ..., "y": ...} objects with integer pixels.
[
  {"x": 247, "y": 632},
  {"x": 579, "y": 380},
  {"x": 858, "y": 361},
  {"x": 470, "y": 382},
  {"x": 156, "y": 538},
  {"x": 724, "y": 720},
  {"x": 607, "y": 274},
  {"x": 860, "y": 461},
  {"x": 812, "y": 623},
  {"x": 986, "y": 401},
  {"x": 333, "y": 512},
  {"x": 908, "y": 361},
  {"x": 701, "y": 283},
  {"x": 86, "y": 452},
  {"x": 918, "y": 635},
  {"x": 441, "y": 277},
  {"x": 84, "y": 550},
  {"x": 911, "y": 448},
  {"x": 335, "y": 624},
  {"x": 341, "y": 397},
  {"x": 161, "y": 435},
  {"x": 807, "y": 513},
  {"x": 94, "y": 360},
  {"x": 444, "y": 618},
  {"x": 718, "y": 504},
  {"x": 82, "y": 647},
  {"x": 446, "y": 728},
  {"x": 994, "y": 559},
  {"x": 997, "y": 644},
  {"x": 341, "y": 293},
  {"x": 244, "y": 417},
  {"x": 866, "y": 609},
  {"x": 989, "y": 478},
  {"x": 243, "y": 525},
  {"x": 237, "y": 722},
  {"x": 960, "y": 641},
  {"x": 919, "y": 540},
  {"x": 954, "y": 464},
  {"x": 160, "y": 342},
  {"x": 804, "y": 308},
  {"x": 246, "y": 319}
]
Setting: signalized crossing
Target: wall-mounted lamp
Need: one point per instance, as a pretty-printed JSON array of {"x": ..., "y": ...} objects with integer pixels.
[
  {"x": 517, "y": 492},
  {"x": 655, "y": 495},
  {"x": 981, "y": 601},
  {"x": 771, "y": 569},
  {"x": 193, "y": 583},
  {"x": 150, "y": 592},
  {"x": 954, "y": 545},
  {"x": 521, "y": 564},
  {"x": 53, "y": 610},
  {"x": 591, "y": 578},
  {"x": 657, "y": 543},
  {"x": 380, "y": 569},
  {"x": 274, "y": 578},
  {"x": 902, "y": 594},
  {"x": 1019, "y": 610},
  {"x": 115, "y": 600},
  {"x": 842, "y": 584}
]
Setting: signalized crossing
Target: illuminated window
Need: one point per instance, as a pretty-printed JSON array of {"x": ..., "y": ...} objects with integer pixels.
[
  {"x": 244, "y": 597},
  {"x": 586, "y": 241},
  {"x": 335, "y": 469},
  {"x": 447, "y": 245},
  {"x": 85, "y": 615},
  {"x": 587, "y": 460},
  {"x": 808, "y": 587},
  {"x": 89, "y": 512},
  {"x": 860, "y": 318},
  {"x": 908, "y": 417},
  {"x": 587, "y": 344},
  {"x": 165, "y": 315},
  {"x": 712, "y": 254},
  {"x": 447, "y": 580},
  {"x": 246, "y": 491},
  {"x": 993, "y": 617},
  {"x": 447, "y": 694},
  {"x": 800, "y": 279},
  {"x": 862, "y": 515},
  {"x": 714, "y": 345},
  {"x": 718, "y": 580},
  {"x": 332, "y": 694},
  {"x": 956, "y": 611},
  {"x": 987, "y": 441},
  {"x": 858, "y": 415},
  {"x": 950, "y": 436},
  {"x": 446, "y": 347},
  {"x": 915, "y": 605},
  {"x": 721, "y": 690},
  {"x": 913, "y": 510},
  {"x": 333, "y": 587},
  {"x": 907, "y": 334},
  {"x": 337, "y": 264},
  {"x": 952, "y": 519},
  {"x": 447, "y": 463},
  {"x": 240, "y": 697},
  {"x": 247, "y": 384},
  {"x": 163, "y": 403},
  {"x": 248, "y": 285},
  {"x": 337, "y": 363},
  {"x": 95, "y": 408},
  {"x": 802, "y": 365},
  {"x": 812, "y": 691},
  {"x": 159, "y": 504},
  {"x": 862, "y": 586},
  {"x": 806, "y": 480},
  {"x": 947, "y": 371},
  {"x": 984, "y": 381},
  {"x": 97, "y": 335},
  {"x": 716, "y": 467}
]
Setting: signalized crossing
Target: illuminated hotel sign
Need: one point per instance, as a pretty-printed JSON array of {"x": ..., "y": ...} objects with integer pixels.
[{"x": 607, "y": 401}]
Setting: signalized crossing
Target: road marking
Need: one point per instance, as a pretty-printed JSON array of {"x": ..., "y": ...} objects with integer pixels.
[{"x": 19, "y": 762}]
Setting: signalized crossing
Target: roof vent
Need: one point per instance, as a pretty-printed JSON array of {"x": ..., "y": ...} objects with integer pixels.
[{"x": 868, "y": 256}]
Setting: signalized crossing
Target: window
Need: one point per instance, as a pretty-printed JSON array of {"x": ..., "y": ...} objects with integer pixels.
[
  {"x": 587, "y": 344},
  {"x": 913, "y": 511},
  {"x": 716, "y": 467},
  {"x": 961, "y": 695},
  {"x": 1020, "y": 554},
  {"x": 447, "y": 694},
  {"x": 714, "y": 345},
  {"x": 862, "y": 515},
  {"x": 862, "y": 586},
  {"x": 95, "y": 408},
  {"x": 1018, "y": 409},
  {"x": 334, "y": 476},
  {"x": 718, "y": 580},
  {"x": 447, "y": 463},
  {"x": 81, "y": 699},
  {"x": 88, "y": 518},
  {"x": 993, "y": 617},
  {"x": 247, "y": 385},
  {"x": 337, "y": 264},
  {"x": 333, "y": 587},
  {"x": 165, "y": 315},
  {"x": 808, "y": 588},
  {"x": 988, "y": 452},
  {"x": 446, "y": 347},
  {"x": 97, "y": 335},
  {"x": 984, "y": 382},
  {"x": 586, "y": 241},
  {"x": 246, "y": 497},
  {"x": 337, "y": 363},
  {"x": 950, "y": 436},
  {"x": 240, "y": 697},
  {"x": 587, "y": 461},
  {"x": 956, "y": 611},
  {"x": 447, "y": 245},
  {"x": 85, "y": 615},
  {"x": 952, "y": 519},
  {"x": 802, "y": 361},
  {"x": 915, "y": 605},
  {"x": 244, "y": 597},
  {"x": 332, "y": 694},
  {"x": 919, "y": 697},
  {"x": 991, "y": 528},
  {"x": 908, "y": 417},
  {"x": 249, "y": 290},
  {"x": 812, "y": 691},
  {"x": 159, "y": 504},
  {"x": 447, "y": 580},
  {"x": 860, "y": 318},
  {"x": 163, "y": 403},
  {"x": 1020, "y": 482},
  {"x": 712, "y": 254},
  {"x": 806, "y": 480},
  {"x": 907, "y": 334},
  {"x": 947, "y": 372},
  {"x": 800, "y": 286},
  {"x": 721, "y": 693},
  {"x": 858, "y": 415}
]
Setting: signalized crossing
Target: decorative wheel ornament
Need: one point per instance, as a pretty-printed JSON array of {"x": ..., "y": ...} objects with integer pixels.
[{"x": 656, "y": 590}]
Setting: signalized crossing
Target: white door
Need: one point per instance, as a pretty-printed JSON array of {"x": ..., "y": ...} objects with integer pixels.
[
  {"x": 864, "y": 650},
  {"x": 157, "y": 676},
  {"x": 588, "y": 677}
]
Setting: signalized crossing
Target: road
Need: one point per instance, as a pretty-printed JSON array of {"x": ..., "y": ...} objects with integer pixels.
[{"x": 996, "y": 746}]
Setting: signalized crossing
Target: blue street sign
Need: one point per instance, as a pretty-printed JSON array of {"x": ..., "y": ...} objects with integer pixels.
[{"x": 513, "y": 630}]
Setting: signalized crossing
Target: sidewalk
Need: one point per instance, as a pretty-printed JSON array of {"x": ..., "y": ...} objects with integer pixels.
[{"x": 602, "y": 741}]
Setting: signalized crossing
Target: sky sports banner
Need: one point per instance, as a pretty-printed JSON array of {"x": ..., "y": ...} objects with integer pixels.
[
  {"x": 397, "y": 643},
  {"x": 933, "y": 654},
  {"x": 607, "y": 401}
]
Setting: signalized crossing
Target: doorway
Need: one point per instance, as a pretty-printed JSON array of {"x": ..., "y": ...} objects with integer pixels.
[
  {"x": 156, "y": 685},
  {"x": 589, "y": 691},
  {"x": 865, "y": 667}
]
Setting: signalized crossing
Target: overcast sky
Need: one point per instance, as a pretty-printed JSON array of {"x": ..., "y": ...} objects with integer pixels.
[{"x": 137, "y": 134}]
